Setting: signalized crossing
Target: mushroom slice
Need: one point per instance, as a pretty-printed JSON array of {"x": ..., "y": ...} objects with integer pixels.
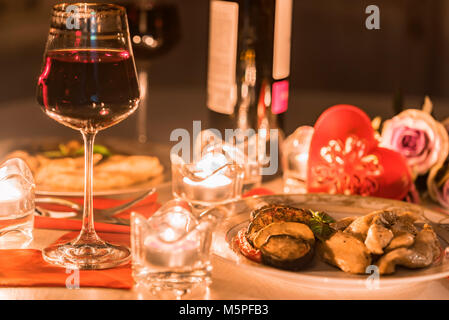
[
  {"x": 404, "y": 232},
  {"x": 403, "y": 240},
  {"x": 346, "y": 252},
  {"x": 424, "y": 251},
  {"x": 342, "y": 224},
  {"x": 359, "y": 227},
  {"x": 378, "y": 238}
]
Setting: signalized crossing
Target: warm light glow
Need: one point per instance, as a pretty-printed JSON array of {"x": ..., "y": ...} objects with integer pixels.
[
  {"x": 149, "y": 41},
  {"x": 168, "y": 235},
  {"x": 137, "y": 39},
  {"x": 211, "y": 182},
  {"x": 206, "y": 166},
  {"x": 177, "y": 220},
  {"x": 209, "y": 163},
  {"x": 9, "y": 191}
]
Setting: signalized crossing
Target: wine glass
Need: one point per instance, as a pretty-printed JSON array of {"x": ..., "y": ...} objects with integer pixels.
[
  {"x": 154, "y": 26},
  {"x": 88, "y": 82}
]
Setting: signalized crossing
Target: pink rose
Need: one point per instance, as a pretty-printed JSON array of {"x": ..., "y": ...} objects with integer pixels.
[{"x": 421, "y": 139}]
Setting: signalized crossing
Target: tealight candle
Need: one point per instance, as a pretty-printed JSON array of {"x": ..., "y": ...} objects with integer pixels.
[
  {"x": 171, "y": 255},
  {"x": 211, "y": 180},
  {"x": 16, "y": 204},
  {"x": 172, "y": 246}
]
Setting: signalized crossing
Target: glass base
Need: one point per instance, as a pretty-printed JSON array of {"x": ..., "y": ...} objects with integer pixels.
[{"x": 96, "y": 255}]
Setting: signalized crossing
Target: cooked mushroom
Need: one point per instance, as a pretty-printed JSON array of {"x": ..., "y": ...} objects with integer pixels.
[
  {"x": 404, "y": 232},
  {"x": 346, "y": 252},
  {"x": 404, "y": 240},
  {"x": 342, "y": 224},
  {"x": 359, "y": 227},
  {"x": 424, "y": 251},
  {"x": 378, "y": 236}
]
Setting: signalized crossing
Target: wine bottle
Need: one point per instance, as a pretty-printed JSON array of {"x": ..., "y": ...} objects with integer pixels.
[{"x": 249, "y": 64}]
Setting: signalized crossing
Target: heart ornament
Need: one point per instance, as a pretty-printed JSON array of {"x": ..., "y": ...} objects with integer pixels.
[{"x": 345, "y": 158}]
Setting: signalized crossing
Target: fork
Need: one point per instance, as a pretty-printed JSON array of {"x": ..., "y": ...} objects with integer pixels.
[{"x": 104, "y": 213}]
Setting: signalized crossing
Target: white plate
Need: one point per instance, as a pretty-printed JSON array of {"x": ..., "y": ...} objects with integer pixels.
[
  {"x": 319, "y": 275},
  {"x": 118, "y": 145},
  {"x": 102, "y": 193}
]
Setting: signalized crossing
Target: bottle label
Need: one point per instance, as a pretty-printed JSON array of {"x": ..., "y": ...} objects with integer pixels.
[
  {"x": 223, "y": 35},
  {"x": 280, "y": 97},
  {"x": 282, "y": 39}
]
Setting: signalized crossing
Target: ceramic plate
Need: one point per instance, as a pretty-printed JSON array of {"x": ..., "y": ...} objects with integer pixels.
[
  {"x": 118, "y": 145},
  {"x": 319, "y": 275}
]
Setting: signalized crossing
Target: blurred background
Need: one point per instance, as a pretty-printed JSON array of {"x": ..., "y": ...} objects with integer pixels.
[{"x": 335, "y": 59}]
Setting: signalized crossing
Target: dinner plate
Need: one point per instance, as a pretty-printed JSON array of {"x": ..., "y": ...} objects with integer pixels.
[
  {"x": 117, "y": 145},
  {"x": 319, "y": 275}
]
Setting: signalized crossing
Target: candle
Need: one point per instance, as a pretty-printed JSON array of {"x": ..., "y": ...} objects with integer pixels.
[
  {"x": 210, "y": 180},
  {"x": 172, "y": 246},
  {"x": 16, "y": 204},
  {"x": 171, "y": 255}
]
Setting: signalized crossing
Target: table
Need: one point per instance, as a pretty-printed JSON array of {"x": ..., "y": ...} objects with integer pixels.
[{"x": 226, "y": 284}]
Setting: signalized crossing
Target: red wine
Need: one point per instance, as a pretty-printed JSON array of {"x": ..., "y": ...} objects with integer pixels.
[
  {"x": 154, "y": 27},
  {"x": 88, "y": 89}
]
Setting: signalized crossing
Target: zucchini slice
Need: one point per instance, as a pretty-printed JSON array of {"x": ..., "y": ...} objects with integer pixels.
[
  {"x": 286, "y": 252},
  {"x": 295, "y": 229},
  {"x": 276, "y": 213}
]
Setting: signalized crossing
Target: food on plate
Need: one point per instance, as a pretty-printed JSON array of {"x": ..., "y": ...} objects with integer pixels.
[
  {"x": 63, "y": 169},
  {"x": 285, "y": 237},
  {"x": 425, "y": 250},
  {"x": 286, "y": 252},
  {"x": 294, "y": 229},
  {"x": 346, "y": 252},
  {"x": 282, "y": 236},
  {"x": 269, "y": 214}
]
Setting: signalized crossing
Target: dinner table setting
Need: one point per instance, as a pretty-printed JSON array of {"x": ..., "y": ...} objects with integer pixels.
[{"x": 352, "y": 207}]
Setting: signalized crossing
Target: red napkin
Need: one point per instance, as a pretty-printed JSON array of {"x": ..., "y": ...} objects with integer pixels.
[
  {"x": 146, "y": 207},
  {"x": 27, "y": 268},
  {"x": 257, "y": 192}
]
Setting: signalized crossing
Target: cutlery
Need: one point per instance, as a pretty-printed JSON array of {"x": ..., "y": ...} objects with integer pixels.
[
  {"x": 79, "y": 216},
  {"x": 100, "y": 215},
  {"x": 109, "y": 212}
]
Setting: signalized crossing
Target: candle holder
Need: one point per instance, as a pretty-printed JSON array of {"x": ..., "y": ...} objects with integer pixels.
[
  {"x": 295, "y": 155},
  {"x": 171, "y": 249},
  {"x": 16, "y": 204},
  {"x": 214, "y": 179},
  {"x": 243, "y": 150}
]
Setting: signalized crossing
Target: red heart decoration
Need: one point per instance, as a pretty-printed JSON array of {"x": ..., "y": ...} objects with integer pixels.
[{"x": 345, "y": 158}]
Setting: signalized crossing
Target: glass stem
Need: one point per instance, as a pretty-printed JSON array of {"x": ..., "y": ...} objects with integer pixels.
[{"x": 88, "y": 234}]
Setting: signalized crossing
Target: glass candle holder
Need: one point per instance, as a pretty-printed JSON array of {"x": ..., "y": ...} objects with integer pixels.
[
  {"x": 212, "y": 180},
  {"x": 16, "y": 204},
  {"x": 243, "y": 150},
  {"x": 295, "y": 155},
  {"x": 171, "y": 249}
]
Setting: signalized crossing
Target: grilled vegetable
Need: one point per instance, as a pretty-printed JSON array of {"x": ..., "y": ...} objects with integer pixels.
[
  {"x": 286, "y": 252},
  {"x": 275, "y": 213},
  {"x": 294, "y": 229},
  {"x": 246, "y": 248}
]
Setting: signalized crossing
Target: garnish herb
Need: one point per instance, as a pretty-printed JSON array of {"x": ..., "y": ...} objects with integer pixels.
[{"x": 320, "y": 224}]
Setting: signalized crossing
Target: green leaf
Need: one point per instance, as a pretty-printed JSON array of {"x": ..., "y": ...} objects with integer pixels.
[
  {"x": 97, "y": 149},
  {"x": 319, "y": 224},
  {"x": 53, "y": 154},
  {"x": 63, "y": 149}
]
